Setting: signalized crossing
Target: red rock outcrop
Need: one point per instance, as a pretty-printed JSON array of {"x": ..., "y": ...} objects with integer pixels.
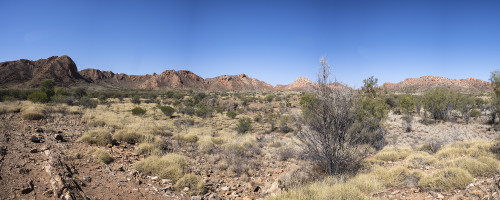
[
  {"x": 423, "y": 83},
  {"x": 300, "y": 84},
  {"x": 27, "y": 73},
  {"x": 237, "y": 82}
]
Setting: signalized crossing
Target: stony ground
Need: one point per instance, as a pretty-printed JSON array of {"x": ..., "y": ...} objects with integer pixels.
[{"x": 42, "y": 160}]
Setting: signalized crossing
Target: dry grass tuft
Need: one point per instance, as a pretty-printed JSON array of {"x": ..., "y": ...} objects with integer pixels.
[
  {"x": 447, "y": 179},
  {"x": 393, "y": 153},
  {"x": 99, "y": 137},
  {"x": 169, "y": 166},
  {"x": 194, "y": 183},
  {"x": 100, "y": 155}
]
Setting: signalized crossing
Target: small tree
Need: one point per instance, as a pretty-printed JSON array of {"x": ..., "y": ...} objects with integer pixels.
[
  {"x": 439, "y": 102},
  {"x": 269, "y": 98},
  {"x": 495, "y": 82},
  {"x": 370, "y": 86},
  {"x": 326, "y": 133},
  {"x": 465, "y": 103},
  {"x": 47, "y": 86}
]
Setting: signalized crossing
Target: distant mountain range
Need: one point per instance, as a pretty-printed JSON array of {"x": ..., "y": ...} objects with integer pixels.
[{"x": 28, "y": 74}]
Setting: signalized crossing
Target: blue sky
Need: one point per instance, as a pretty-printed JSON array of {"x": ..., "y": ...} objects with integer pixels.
[{"x": 275, "y": 41}]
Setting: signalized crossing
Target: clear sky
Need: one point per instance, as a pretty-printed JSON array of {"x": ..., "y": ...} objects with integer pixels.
[{"x": 275, "y": 40}]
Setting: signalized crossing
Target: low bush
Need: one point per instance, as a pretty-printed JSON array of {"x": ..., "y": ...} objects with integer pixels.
[
  {"x": 167, "y": 110},
  {"x": 99, "y": 137},
  {"x": 367, "y": 183},
  {"x": 147, "y": 149},
  {"x": 231, "y": 114},
  {"x": 194, "y": 183},
  {"x": 138, "y": 111},
  {"x": 87, "y": 102},
  {"x": 482, "y": 166},
  {"x": 244, "y": 125},
  {"x": 38, "y": 97},
  {"x": 447, "y": 179},
  {"x": 100, "y": 155},
  {"x": 170, "y": 166}
]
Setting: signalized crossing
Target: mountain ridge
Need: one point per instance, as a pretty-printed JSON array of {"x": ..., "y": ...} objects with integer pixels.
[{"x": 27, "y": 73}]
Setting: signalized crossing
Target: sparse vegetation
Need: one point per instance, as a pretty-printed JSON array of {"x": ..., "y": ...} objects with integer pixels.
[
  {"x": 100, "y": 155},
  {"x": 194, "y": 183},
  {"x": 169, "y": 166},
  {"x": 99, "y": 137}
]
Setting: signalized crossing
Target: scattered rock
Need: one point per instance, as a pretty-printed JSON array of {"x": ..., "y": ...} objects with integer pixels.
[
  {"x": 39, "y": 130},
  {"x": 34, "y": 151},
  {"x": 27, "y": 187},
  {"x": 58, "y": 137},
  {"x": 196, "y": 198},
  {"x": 165, "y": 181},
  {"x": 35, "y": 139},
  {"x": 225, "y": 188},
  {"x": 87, "y": 178},
  {"x": 186, "y": 189}
]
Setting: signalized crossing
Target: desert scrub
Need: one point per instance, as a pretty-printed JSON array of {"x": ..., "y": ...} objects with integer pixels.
[
  {"x": 34, "y": 112},
  {"x": 482, "y": 166},
  {"x": 146, "y": 148},
  {"x": 460, "y": 149},
  {"x": 100, "y": 155},
  {"x": 38, "y": 97},
  {"x": 10, "y": 107},
  {"x": 138, "y": 111},
  {"x": 99, "y": 137},
  {"x": 189, "y": 138},
  {"x": 326, "y": 189},
  {"x": 366, "y": 183},
  {"x": 231, "y": 114},
  {"x": 397, "y": 177},
  {"x": 170, "y": 166},
  {"x": 392, "y": 153},
  {"x": 419, "y": 159},
  {"x": 128, "y": 136},
  {"x": 244, "y": 125},
  {"x": 447, "y": 179},
  {"x": 194, "y": 183}
]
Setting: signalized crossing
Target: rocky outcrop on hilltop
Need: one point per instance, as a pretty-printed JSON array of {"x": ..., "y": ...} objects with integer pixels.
[
  {"x": 300, "y": 84},
  {"x": 237, "y": 82},
  {"x": 27, "y": 73},
  {"x": 427, "y": 82}
]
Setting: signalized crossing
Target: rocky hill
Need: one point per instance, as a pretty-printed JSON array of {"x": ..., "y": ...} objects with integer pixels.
[
  {"x": 27, "y": 73},
  {"x": 426, "y": 82}
]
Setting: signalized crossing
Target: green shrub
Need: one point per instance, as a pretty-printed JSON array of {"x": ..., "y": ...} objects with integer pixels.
[
  {"x": 88, "y": 103},
  {"x": 136, "y": 100},
  {"x": 438, "y": 102},
  {"x": 231, "y": 114},
  {"x": 128, "y": 136},
  {"x": 79, "y": 93},
  {"x": 447, "y": 179},
  {"x": 170, "y": 166},
  {"x": 244, "y": 125},
  {"x": 167, "y": 110},
  {"x": 61, "y": 91},
  {"x": 194, "y": 183},
  {"x": 475, "y": 113},
  {"x": 99, "y": 137},
  {"x": 100, "y": 155},
  {"x": 60, "y": 99},
  {"x": 138, "y": 111},
  {"x": 203, "y": 111},
  {"x": 38, "y": 97},
  {"x": 269, "y": 98},
  {"x": 47, "y": 87}
]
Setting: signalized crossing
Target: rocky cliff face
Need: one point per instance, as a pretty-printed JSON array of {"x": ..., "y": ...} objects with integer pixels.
[
  {"x": 426, "y": 82},
  {"x": 26, "y": 73}
]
